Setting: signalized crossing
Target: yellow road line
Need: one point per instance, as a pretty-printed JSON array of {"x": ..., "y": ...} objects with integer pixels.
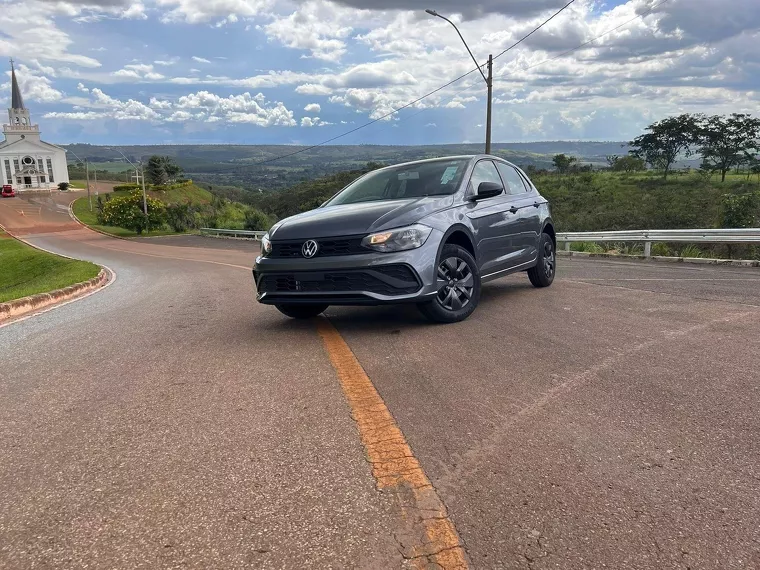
[{"x": 429, "y": 536}]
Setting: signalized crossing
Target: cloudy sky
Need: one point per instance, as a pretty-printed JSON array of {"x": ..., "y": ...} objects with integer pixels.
[{"x": 303, "y": 71}]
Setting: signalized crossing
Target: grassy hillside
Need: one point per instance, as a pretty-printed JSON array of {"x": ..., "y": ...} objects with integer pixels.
[
  {"x": 197, "y": 198},
  {"x": 28, "y": 271}
]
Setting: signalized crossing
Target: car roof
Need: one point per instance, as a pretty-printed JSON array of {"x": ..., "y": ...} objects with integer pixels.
[{"x": 471, "y": 157}]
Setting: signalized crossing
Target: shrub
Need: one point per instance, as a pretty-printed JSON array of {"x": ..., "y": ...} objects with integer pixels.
[
  {"x": 739, "y": 210},
  {"x": 587, "y": 246},
  {"x": 257, "y": 220},
  {"x": 126, "y": 212},
  {"x": 180, "y": 217},
  {"x": 126, "y": 187},
  {"x": 690, "y": 251},
  {"x": 660, "y": 249},
  {"x": 64, "y": 186}
]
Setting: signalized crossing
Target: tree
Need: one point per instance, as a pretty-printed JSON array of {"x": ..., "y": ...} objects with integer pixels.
[
  {"x": 256, "y": 220},
  {"x": 629, "y": 164},
  {"x": 612, "y": 160},
  {"x": 161, "y": 170},
  {"x": 667, "y": 140},
  {"x": 562, "y": 162},
  {"x": 155, "y": 172},
  {"x": 724, "y": 141},
  {"x": 173, "y": 170}
]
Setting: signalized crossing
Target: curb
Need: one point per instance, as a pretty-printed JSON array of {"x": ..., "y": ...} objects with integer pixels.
[
  {"x": 21, "y": 309},
  {"x": 662, "y": 259},
  {"x": 25, "y": 305}
]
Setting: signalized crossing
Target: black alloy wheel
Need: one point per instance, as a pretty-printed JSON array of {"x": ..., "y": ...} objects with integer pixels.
[
  {"x": 458, "y": 284},
  {"x": 542, "y": 274}
]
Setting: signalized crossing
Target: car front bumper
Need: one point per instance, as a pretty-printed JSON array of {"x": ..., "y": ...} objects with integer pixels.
[{"x": 372, "y": 278}]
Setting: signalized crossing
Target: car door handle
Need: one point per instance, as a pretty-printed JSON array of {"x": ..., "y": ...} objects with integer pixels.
[
  {"x": 536, "y": 205},
  {"x": 513, "y": 209}
]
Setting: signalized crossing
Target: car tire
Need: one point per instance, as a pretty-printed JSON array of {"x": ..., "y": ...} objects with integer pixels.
[
  {"x": 542, "y": 275},
  {"x": 297, "y": 311},
  {"x": 459, "y": 291}
]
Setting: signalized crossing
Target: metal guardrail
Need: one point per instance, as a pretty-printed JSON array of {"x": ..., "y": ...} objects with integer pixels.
[
  {"x": 742, "y": 235},
  {"x": 246, "y": 234}
]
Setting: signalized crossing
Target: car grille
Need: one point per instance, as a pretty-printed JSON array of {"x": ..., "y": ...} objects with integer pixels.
[
  {"x": 327, "y": 247},
  {"x": 384, "y": 280}
]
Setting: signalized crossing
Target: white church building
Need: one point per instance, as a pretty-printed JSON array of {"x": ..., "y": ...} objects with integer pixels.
[{"x": 26, "y": 161}]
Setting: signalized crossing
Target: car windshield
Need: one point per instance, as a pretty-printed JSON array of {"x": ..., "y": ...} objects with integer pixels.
[{"x": 433, "y": 178}]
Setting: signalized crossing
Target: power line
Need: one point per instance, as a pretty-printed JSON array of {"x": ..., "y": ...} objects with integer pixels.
[
  {"x": 405, "y": 106},
  {"x": 564, "y": 53},
  {"x": 521, "y": 40}
]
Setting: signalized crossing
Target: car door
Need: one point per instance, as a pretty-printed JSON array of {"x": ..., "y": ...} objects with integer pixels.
[
  {"x": 528, "y": 227},
  {"x": 494, "y": 221}
]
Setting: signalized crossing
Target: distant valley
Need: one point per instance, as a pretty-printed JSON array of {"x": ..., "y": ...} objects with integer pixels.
[{"x": 238, "y": 165}]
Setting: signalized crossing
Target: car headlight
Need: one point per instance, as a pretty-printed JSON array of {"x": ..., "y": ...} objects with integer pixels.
[
  {"x": 266, "y": 245},
  {"x": 399, "y": 239}
]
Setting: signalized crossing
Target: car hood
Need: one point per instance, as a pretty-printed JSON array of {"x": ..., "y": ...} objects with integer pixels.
[{"x": 363, "y": 218}]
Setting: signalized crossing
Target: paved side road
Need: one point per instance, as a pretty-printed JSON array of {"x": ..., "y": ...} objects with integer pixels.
[{"x": 169, "y": 421}]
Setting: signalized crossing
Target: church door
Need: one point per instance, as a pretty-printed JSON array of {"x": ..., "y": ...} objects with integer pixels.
[{"x": 28, "y": 181}]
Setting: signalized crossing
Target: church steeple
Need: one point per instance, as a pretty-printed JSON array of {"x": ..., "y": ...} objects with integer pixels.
[
  {"x": 17, "y": 102},
  {"x": 19, "y": 121}
]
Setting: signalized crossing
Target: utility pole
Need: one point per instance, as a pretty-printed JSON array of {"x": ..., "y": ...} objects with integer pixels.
[
  {"x": 488, "y": 80},
  {"x": 87, "y": 175},
  {"x": 145, "y": 199},
  {"x": 96, "y": 187}
]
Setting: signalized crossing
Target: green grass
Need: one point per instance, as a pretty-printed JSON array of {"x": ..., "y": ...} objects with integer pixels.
[
  {"x": 28, "y": 271},
  {"x": 184, "y": 195}
]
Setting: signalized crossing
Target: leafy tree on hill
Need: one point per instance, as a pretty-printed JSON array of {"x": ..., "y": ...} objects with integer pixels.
[
  {"x": 161, "y": 170},
  {"x": 629, "y": 164},
  {"x": 667, "y": 140},
  {"x": 726, "y": 141},
  {"x": 563, "y": 163},
  {"x": 256, "y": 220}
]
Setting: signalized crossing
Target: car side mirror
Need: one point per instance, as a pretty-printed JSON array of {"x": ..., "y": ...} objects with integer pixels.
[{"x": 488, "y": 190}]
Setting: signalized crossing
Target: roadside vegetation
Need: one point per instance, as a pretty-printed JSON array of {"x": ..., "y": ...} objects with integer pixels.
[
  {"x": 174, "y": 206},
  {"x": 28, "y": 271}
]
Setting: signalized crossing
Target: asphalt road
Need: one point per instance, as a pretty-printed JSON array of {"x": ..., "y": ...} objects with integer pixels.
[{"x": 609, "y": 421}]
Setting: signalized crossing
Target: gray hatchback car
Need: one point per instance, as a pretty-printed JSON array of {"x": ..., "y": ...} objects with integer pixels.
[{"x": 428, "y": 232}]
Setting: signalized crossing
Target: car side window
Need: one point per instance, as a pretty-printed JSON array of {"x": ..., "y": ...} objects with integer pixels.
[
  {"x": 484, "y": 171},
  {"x": 515, "y": 184}
]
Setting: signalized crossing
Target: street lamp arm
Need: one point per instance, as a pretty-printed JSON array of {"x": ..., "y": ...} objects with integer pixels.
[
  {"x": 122, "y": 154},
  {"x": 434, "y": 13}
]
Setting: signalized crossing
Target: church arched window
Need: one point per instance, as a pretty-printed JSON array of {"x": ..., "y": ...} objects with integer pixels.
[{"x": 23, "y": 120}]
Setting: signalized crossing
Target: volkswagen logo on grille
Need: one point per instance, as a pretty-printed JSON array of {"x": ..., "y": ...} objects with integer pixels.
[{"x": 310, "y": 248}]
